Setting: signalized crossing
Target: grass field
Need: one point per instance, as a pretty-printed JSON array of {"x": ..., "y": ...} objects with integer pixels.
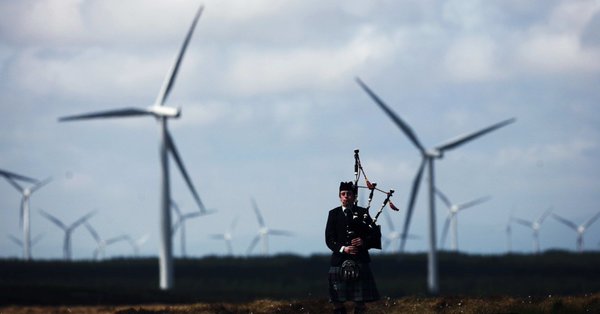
[
  {"x": 553, "y": 282},
  {"x": 550, "y": 304}
]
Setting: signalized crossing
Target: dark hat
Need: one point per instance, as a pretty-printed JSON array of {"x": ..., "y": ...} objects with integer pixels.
[{"x": 347, "y": 186}]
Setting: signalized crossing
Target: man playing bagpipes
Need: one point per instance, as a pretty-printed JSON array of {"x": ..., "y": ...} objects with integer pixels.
[{"x": 349, "y": 234}]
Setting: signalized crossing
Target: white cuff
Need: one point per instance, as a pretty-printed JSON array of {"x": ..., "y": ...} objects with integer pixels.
[{"x": 342, "y": 249}]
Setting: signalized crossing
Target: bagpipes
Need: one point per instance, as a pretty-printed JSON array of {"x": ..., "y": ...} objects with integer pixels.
[{"x": 372, "y": 186}]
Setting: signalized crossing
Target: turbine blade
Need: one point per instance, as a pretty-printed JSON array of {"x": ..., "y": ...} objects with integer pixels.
[
  {"x": 15, "y": 240},
  {"x": 8, "y": 174},
  {"x": 117, "y": 113},
  {"x": 261, "y": 221},
  {"x": 445, "y": 230},
  {"x": 411, "y": 203},
  {"x": 191, "y": 215},
  {"x": 280, "y": 232},
  {"x": 176, "y": 208},
  {"x": 36, "y": 239},
  {"x": 253, "y": 244},
  {"x": 522, "y": 222},
  {"x": 170, "y": 78},
  {"x": 474, "y": 202},
  {"x": 233, "y": 223},
  {"x": 175, "y": 227},
  {"x": 469, "y": 137},
  {"x": 82, "y": 220},
  {"x": 15, "y": 184},
  {"x": 591, "y": 220},
  {"x": 93, "y": 232},
  {"x": 173, "y": 149},
  {"x": 544, "y": 215},
  {"x": 217, "y": 236},
  {"x": 568, "y": 223},
  {"x": 53, "y": 219},
  {"x": 39, "y": 185},
  {"x": 116, "y": 239},
  {"x": 399, "y": 122},
  {"x": 443, "y": 197}
]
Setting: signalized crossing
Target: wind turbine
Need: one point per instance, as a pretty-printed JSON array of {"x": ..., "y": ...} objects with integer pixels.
[
  {"x": 428, "y": 156},
  {"x": 535, "y": 226},
  {"x": 67, "y": 229},
  {"x": 227, "y": 236},
  {"x": 263, "y": 232},
  {"x": 24, "y": 216},
  {"x": 580, "y": 229},
  {"x": 100, "y": 250},
  {"x": 162, "y": 113},
  {"x": 394, "y": 236},
  {"x": 180, "y": 223},
  {"x": 137, "y": 243},
  {"x": 508, "y": 231},
  {"x": 20, "y": 243},
  {"x": 453, "y": 210}
]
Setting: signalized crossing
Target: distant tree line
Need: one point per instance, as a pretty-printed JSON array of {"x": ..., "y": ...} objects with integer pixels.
[{"x": 237, "y": 279}]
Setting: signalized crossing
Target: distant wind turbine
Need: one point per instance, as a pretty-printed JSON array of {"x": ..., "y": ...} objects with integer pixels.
[
  {"x": 20, "y": 243},
  {"x": 227, "y": 236},
  {"x": 580, "y": 229},
  {"x": 100, "y": 250},
  {"x": 180, "y": 223},
  {"x": 162, "y": 113},
  {"x": 392, "y": 239},
  {"x": 508, "y": 231},
  {"x": 453, "y": 210},
  {"x": 428, "y": 156},
  {"x": 535, "y": 227},
  {"x": 24, "y": 216},
  {"x": 67, "y": 229},
  {"x": 137, "y": 243},
  {"x": 264, "y": 232}
]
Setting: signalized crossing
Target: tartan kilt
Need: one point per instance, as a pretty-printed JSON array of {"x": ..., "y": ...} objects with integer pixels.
[{"x": 363, "y": 289}]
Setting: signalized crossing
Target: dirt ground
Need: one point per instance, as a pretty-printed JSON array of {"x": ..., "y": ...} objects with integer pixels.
[{"x": 589, "y": 303}]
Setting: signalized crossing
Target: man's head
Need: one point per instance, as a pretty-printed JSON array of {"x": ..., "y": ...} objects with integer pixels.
[{"x": 347, "y": 194}]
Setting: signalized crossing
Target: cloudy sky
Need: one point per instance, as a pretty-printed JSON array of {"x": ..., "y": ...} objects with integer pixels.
[{"x": 271, "y": 111}]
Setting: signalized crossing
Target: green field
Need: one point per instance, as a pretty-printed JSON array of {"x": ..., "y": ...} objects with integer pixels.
[{"x": 290, "y": 277}]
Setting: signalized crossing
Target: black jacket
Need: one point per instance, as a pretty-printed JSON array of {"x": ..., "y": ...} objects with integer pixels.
[{"x": 336, "y": 235}]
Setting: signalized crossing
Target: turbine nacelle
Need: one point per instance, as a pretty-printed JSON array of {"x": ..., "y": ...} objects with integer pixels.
[
  {"x": 164, "y": 111},
  {"x": 434, "y": 153}
]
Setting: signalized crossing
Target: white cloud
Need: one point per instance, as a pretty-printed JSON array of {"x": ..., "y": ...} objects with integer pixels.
[
  {"x": 472, "y": 59},
  {"x": 555, "y": 46},
  {"x": 256, "y": 71}
]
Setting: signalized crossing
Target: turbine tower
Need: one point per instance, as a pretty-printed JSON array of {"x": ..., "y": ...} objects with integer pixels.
[
  {"x": 428, "y": 156},
  {"x": 508, "y": 231},
  {"x": 24, "y": 216},
  {"x": 535, "y": 227},
  {"x": 453, "y": 210},
  {"x": 263, "y": 232},
  {"x": 67, "y": 229},
  {"x": 100, "y": 250},
  {"x": 227, "y": 236},
  {"x": 162, "y": 113},
  {"x": 579, "y": 229}
]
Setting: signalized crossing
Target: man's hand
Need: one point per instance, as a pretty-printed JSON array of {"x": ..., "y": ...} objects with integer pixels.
[
  {"x": 357, "y": 242},
  {"x": 353, "y": 248}
]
